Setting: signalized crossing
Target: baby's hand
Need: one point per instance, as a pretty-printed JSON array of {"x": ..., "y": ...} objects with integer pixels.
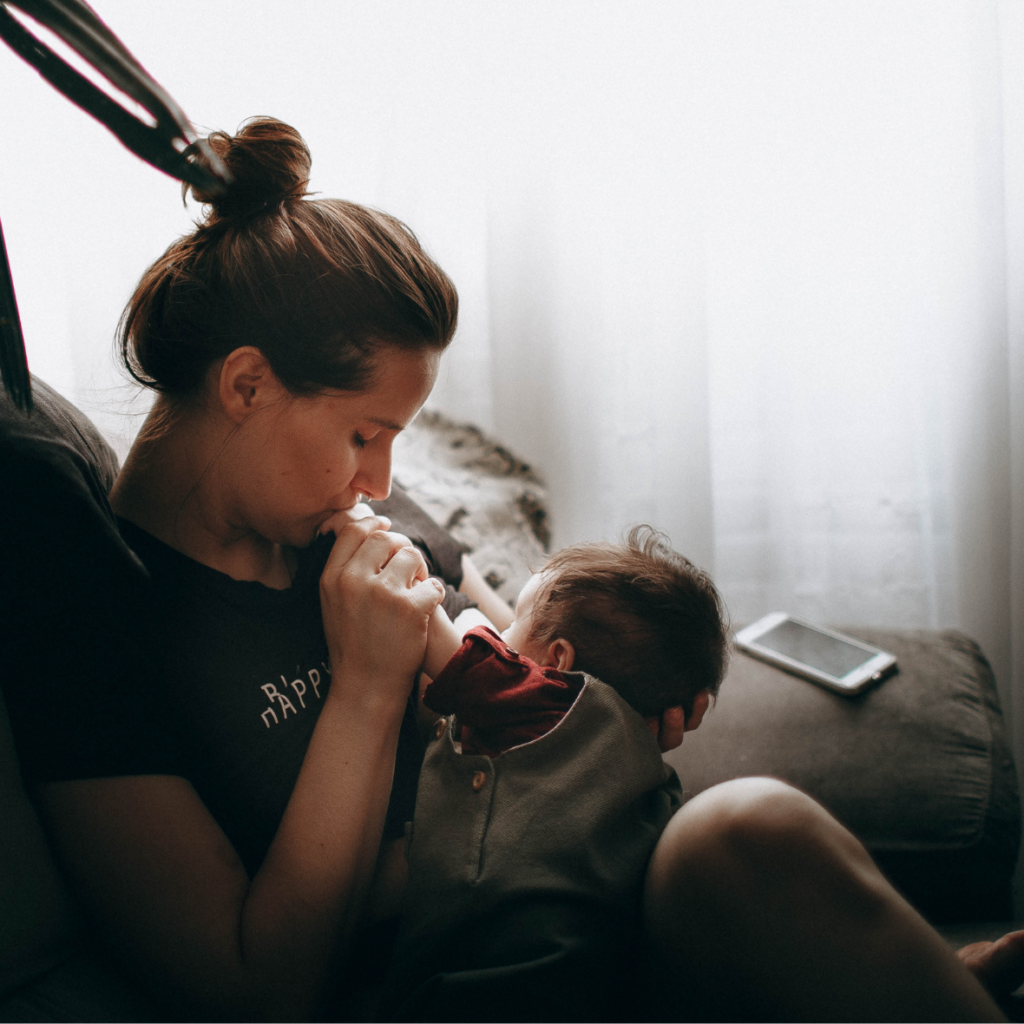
[{"x": 341, "y": 519}]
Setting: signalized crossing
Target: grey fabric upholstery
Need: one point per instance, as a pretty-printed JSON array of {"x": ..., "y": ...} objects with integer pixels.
[
  {"x": 85, "y": 986},
  {"x": 37, "y": 922},
  {"x": 51, "y": 968},
  {"x": 918, "y": 768}
]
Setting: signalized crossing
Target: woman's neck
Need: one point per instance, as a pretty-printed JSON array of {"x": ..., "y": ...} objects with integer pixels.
[{"x": 171, "y": 488}]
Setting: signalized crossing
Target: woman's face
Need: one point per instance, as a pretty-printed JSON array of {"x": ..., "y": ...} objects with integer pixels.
[{"x": 303, "y": 459}]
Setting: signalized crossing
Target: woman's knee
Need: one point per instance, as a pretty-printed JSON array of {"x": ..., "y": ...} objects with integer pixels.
[
  {"x": 771, "y": 905},
  {"x": 754, "y": 839},
  {"x": 732, "y": 819}
]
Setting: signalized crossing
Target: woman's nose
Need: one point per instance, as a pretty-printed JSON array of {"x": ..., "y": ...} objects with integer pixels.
[{"x": 374, "y": 476}]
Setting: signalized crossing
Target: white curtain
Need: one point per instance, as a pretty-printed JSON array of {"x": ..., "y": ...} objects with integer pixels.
[{"x": 750, "y": 271}]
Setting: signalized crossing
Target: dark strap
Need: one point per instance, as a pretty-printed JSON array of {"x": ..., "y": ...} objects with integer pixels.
[
  {"x": 13, "y": 364},
  {"x": 169, "y": 143}
]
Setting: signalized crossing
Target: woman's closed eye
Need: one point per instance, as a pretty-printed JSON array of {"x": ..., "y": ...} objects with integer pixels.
[{"x": 362, "y": 437}]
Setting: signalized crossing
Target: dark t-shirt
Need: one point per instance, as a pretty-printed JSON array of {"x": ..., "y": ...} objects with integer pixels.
[
  {"x": 130, "y": 658},
  {"x": 243, "y": 673}
]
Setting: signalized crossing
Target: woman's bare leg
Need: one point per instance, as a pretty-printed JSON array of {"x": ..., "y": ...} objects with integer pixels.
[{"x": 757, "y": 891}]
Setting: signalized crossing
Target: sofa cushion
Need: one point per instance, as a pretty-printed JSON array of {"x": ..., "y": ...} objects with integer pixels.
[
  {"x": 37, "y": 923},
  {"x": 918, "y": 768},
  {"x": 60, "y": 541}
]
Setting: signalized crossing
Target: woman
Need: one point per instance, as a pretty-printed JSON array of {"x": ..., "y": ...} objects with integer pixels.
[
  {"x": 231, "y": 839},
  {"x": 231, "y": 818}
]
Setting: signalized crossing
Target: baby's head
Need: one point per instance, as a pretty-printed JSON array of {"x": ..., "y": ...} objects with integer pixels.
[{"x": 638, "y": 616}]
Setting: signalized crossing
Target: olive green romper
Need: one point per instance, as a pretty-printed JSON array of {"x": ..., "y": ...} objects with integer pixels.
[{"x": 526, "y": 871}]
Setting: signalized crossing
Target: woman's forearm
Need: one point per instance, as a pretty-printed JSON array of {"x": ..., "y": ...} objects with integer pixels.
[
  {"x": 307, "y": 898},
  {"x": 160, "y": 879}
]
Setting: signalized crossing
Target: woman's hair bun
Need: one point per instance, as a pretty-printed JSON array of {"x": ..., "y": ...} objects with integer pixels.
[{"x": 269, "y": 162}]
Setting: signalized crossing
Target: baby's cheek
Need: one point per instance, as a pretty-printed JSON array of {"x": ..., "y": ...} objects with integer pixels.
[
  {"x": 511, "y": 636},
  {"x": 519, "y": 641}
]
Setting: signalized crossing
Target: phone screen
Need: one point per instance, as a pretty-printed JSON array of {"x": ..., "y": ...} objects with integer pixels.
[{"x": 818, "y": 650}]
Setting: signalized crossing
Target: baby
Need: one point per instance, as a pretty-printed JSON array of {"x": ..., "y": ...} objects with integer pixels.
[
  {"x": 638, "y": 616},
  {"x": 543, "y": 794}
]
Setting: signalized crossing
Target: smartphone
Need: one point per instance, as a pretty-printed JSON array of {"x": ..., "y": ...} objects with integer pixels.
[{"x": 816, "y": 653}]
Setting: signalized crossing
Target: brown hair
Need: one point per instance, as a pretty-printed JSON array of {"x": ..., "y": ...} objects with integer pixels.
[
  {"x": 318, "y": 285},
  {"x": 641, "y": 617}
]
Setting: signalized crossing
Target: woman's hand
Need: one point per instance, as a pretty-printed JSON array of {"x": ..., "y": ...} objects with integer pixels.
[
  {"x": 669, "y": 726},
  {"x": 376, "y": 599}
]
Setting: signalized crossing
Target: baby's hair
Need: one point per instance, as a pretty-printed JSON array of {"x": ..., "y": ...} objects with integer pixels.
[{"x": 641, "y": 617}]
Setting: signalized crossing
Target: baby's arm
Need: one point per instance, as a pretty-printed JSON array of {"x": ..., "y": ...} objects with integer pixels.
[
  {"x": 494, "y": 611},
  {"x": 443, "y": 640},
  {"x": 471, "y": 617}
]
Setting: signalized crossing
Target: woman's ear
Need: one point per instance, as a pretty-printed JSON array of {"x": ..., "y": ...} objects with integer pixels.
[
  {"x": 246, "y": 383},
  {"x": 560, "y": 654}
]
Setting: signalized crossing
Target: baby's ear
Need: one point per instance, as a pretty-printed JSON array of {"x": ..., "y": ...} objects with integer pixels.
[{"x": 560, "y": 654}]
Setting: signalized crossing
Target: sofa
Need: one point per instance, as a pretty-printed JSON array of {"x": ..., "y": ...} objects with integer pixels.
[{"x": 919, "y": 768}]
